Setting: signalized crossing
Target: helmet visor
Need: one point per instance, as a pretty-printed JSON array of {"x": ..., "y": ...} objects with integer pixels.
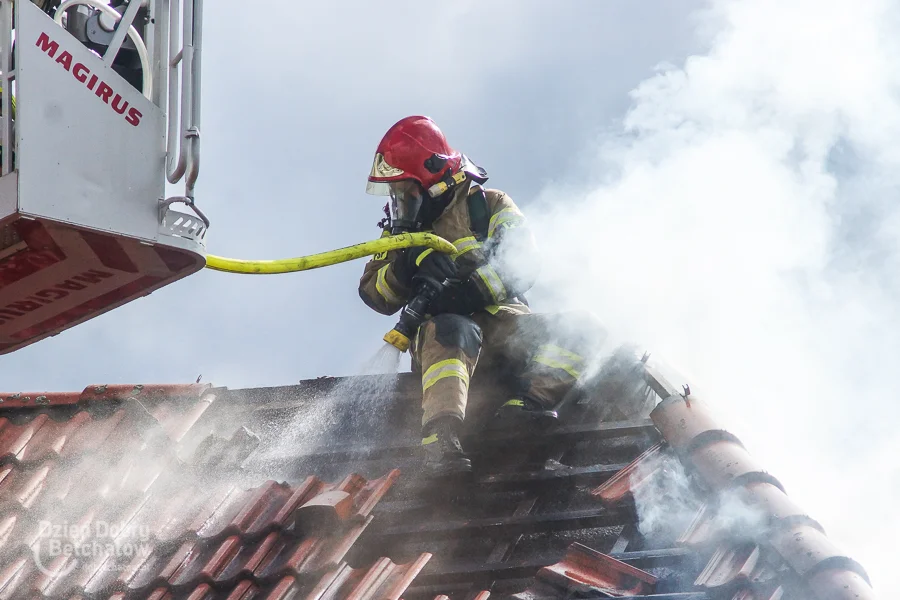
[{"x": 378, "y": 188}]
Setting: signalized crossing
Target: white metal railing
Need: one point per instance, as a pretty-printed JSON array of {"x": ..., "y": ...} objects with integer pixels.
[
  {"x": 125, "y": 26},
  {"x": 183, "y": 133},
  {"x": 162, "y": 52},
  {"x": 187, "y": 56},
  {"x": 7, "y": 86}
]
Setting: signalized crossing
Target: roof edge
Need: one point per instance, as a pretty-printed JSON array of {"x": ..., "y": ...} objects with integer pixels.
[
  {"x": 723, "y": 463},
  {"x": 103, "y": 393}
]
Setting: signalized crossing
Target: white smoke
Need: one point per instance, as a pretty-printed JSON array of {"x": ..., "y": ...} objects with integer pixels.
[
  {"x": 664, "y": 499},
  {"x": 667, "y": 505},
  {"x": 743, "y": 225}
]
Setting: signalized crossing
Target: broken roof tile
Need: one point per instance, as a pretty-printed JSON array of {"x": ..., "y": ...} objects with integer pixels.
[
  {"x": 702, "y": 530},
  {"x": 324, "y": 510},
  {"x": 732, "y": 565},
  {"x": 365, "y": 499},
  {"x": 303, "y": 493},
  {"x": 621, "y": 486},
  {"x": 584, "y": 570},
  {"x": 324, "y": 506},
  {"x": 215, "y": 452},
  {"x": 318, "y": 553}
]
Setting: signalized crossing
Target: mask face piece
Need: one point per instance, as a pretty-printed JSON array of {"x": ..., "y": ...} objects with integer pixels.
[{"x": 406, "y": 202}]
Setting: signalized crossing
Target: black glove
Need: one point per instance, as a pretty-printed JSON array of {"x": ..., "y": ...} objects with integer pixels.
[
  {"x": 439, "y": 266},
  {"x": 463, "y": 299},
  {"x": 405, "y": 264},
  {"x": 434, "y": 265}
]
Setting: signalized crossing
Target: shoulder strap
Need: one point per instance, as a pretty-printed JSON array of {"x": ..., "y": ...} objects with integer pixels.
[{"x": 479, "y": 215}]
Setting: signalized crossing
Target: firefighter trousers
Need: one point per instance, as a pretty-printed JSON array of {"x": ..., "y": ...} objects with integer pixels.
[{"x": 546, "y": 352}]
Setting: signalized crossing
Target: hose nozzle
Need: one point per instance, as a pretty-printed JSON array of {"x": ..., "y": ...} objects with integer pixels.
[
  {"x": 397, "y": 340},
  {"x": 413, "y": 314}
]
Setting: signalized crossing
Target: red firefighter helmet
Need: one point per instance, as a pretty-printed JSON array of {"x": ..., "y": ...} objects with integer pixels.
[
  {"x": 413, "y": 149},
  {"x": 414, "y": 162}
]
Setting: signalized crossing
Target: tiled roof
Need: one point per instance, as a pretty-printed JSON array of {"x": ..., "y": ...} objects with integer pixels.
[
  {"x": 219, "y": 494},
  {"x": 78, "y": 467}
]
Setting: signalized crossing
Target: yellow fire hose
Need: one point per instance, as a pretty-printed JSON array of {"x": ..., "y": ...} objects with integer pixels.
[{"x": 325, "y": 259}]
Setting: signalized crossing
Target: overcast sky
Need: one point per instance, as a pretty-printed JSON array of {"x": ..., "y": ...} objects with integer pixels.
[
  {"x": 291, "y": 119},
  {"x": 725, "y": 183}
]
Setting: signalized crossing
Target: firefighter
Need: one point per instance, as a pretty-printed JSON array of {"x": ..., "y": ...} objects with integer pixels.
[{"x": 481, "y": 320}]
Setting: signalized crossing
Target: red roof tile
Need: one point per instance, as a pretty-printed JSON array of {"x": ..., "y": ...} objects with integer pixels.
[
  {"x": 584, "y": 570},
  {"x": 734, "y": 566},
  {"x": 703, "y": 529},
  {"x": 621, "y": 485},
  {"x": 384, "y": 580},
  {"x": 120, "y": 465},
  {"x": 103, "y": 393}
]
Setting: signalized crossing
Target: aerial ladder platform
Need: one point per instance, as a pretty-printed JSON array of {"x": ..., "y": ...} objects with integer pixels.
[{"x": 100, "y": 109}]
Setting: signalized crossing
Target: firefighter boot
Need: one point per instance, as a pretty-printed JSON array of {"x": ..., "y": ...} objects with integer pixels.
[
  {"x": 444, "y": 455},
  {"x": 523, "y": 416}
]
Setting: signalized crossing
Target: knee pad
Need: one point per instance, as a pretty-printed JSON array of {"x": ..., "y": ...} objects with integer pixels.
[{"x": 457, "y": 331}]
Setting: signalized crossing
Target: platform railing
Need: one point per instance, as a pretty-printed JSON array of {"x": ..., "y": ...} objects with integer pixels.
[
  {"x": 169, "y": 47},
  {"x": 7, "y": 87}
]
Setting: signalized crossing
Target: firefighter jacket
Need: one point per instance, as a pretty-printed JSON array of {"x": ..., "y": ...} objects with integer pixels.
[{"x": 494, "y": 248}]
